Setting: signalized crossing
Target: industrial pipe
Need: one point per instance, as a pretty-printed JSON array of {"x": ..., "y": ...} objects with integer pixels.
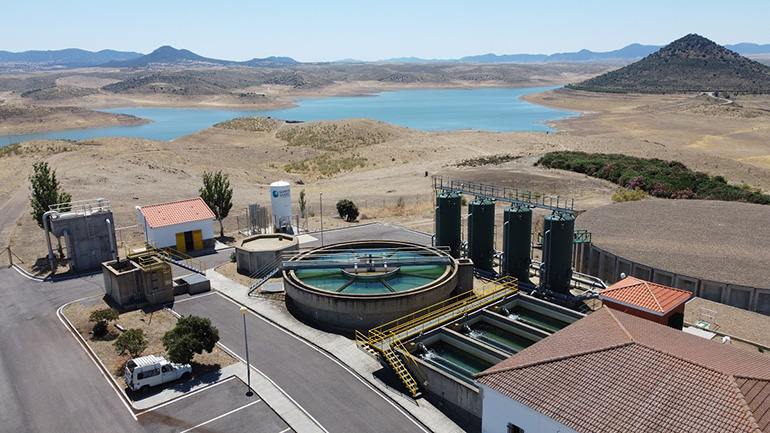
[
  {"x": 46, "y": 217},
  {"x": 113, "y": 243},
  {"x": 68, "y": 245}
]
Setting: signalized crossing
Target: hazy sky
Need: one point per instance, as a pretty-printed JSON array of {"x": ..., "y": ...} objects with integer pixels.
[{"x": 327, "y": 30}]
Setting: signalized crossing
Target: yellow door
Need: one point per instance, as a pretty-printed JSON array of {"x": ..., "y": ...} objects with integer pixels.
[
  {"x": 197, "y": 240},
  {"x": 180, "y": 246}
]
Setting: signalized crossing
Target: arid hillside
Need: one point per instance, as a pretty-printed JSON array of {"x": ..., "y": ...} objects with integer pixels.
[{"x": 385, "y": 169}]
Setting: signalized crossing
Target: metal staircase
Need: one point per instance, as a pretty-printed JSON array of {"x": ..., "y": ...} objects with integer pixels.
[
  {"x": 402, "y": 372},
  {"x": 386, "y": 341},
  {"x": 144, "y": 257}
]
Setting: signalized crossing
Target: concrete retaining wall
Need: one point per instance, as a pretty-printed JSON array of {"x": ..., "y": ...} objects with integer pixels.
[{"x": 608, "y": 267}]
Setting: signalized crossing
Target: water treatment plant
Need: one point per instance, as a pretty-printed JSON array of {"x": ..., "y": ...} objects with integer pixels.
[{"x": 437, "y": 311}]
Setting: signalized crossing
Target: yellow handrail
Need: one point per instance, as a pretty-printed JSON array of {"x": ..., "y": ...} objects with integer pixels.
[
  {"x": 410, "y": 359},
  {"x": 390, "y": 335},
  {"x": 486, "y": 294}
]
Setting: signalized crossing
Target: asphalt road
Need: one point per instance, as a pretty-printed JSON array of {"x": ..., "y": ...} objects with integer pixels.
[
  {"x": 48, "y": 382},
  {"x": 329, "y": 392}
]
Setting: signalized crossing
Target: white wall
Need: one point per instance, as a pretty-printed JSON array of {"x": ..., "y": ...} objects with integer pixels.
[
  {"x": 166, "y": 236},
  {"x": 499, "y": 410}
]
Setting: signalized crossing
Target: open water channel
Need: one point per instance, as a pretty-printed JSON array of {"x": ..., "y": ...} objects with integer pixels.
[{"x": 427, "y": 110}]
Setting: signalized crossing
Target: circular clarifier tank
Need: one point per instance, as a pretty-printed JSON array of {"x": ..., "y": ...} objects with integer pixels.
[{"x": 364, "y": 284}]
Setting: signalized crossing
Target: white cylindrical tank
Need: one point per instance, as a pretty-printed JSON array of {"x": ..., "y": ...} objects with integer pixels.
[{"x": 280, "y": 202}]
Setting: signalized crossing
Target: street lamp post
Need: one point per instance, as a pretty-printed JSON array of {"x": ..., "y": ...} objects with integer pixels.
[
  {"x": 248, "y": 365},
  {"x": 322, "y": 218}
]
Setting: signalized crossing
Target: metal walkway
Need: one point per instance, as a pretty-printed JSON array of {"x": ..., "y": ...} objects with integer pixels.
[
  {"x": 384, "y": 341},
  {"x": 506, "y": 194}
]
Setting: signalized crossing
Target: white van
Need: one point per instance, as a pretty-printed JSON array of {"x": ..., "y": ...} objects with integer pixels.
[{"x": 151, "y": 370}]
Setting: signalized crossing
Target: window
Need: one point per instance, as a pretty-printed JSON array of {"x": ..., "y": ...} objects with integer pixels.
[{"x": 512, "y": 428}]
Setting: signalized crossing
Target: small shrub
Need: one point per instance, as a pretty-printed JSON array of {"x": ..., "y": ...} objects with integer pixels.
[
  {"x": 131, "y": 341},
  {"x": 99, "y": 329},
  {"x": 635, "y": 194},
  {"x": 233, "y": 257},
  {"x": 103, "y": 315},
  {"x": 347, "y": 210},
  {"x": 100, "y": 318}
]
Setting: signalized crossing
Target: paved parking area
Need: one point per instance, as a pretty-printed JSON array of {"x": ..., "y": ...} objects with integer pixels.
[
  {"x": 329, "y": 392},
  {"x": 220, "y": 407}
]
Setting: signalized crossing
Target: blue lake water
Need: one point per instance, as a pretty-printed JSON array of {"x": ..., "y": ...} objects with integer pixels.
[{"x": 428, "y": 110}]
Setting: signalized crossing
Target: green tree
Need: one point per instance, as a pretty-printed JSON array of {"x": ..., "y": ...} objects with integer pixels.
[
  {"x": 302, "y": 204},
  {"x": 218, "y": 195},
  {"x": 191, "y": 335},
  {"x": 45, "y": 191},
  {"x": 131, "y": 341},
  {"x": 347, "y": 209},
  {"x": 100, "y": 319}
]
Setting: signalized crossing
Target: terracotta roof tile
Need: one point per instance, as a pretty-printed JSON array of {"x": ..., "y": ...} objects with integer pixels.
[
  {"x": 178, "y": 212},
  {"x": 650, "y": 296},
  {"x": 614, "y": 372}
]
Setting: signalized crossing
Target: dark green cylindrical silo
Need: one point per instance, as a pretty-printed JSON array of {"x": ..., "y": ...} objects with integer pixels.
[
  {"x": 517, "y": 235},
  {"x": 448, "y": 222},
  {"x": 481, "y": 233},
  {"x": 558, "y": 237}
]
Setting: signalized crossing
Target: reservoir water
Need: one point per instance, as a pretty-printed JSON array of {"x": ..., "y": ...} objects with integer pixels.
[{"x": 427, "y": 110}]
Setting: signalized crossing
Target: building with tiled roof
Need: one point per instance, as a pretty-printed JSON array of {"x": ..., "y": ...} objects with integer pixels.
[
  {"x": 652, "y": 301},
  {"x": 614, "y": 372},
  {"x": 185, "y": 225}
]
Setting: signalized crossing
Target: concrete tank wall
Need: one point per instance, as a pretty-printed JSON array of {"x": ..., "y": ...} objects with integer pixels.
[
  {"x": 366, "y": 311},
  {"x": 255, "y": 253},
  {"x": 608, "y": 267},
  {"x": 88, "y": 238}
]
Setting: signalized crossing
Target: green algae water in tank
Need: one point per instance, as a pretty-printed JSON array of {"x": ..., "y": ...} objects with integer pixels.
[
  {"x": 448, "y": 215},
  {"x": 481, "y": 233},
  {"x": 558, "y": 236},
  {"x": 517, "y": 235}
]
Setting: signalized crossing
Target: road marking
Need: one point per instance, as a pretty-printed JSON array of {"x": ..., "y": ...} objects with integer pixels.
[
  {"x": 220, "y": 416},
  {"x": 285, "y": 430},
  {"x": 285, "y": 394},
  {"x": 187, "y": 394},
  {"x": 96, "y": 361},
  {"x": 408, "y": 416}
]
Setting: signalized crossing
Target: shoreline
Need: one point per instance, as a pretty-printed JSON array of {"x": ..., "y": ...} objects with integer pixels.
[{"x": 282, "y": 103}]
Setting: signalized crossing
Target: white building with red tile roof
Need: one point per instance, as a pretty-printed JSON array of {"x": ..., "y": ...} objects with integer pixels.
[
  {"x": 614, "y": 372},
  {"x": 186, "y": 225}
]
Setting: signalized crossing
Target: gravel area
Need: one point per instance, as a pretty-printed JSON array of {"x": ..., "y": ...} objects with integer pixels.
[
  {"x": 729, "y": 320},
  {"x": 711, "y": 240}
]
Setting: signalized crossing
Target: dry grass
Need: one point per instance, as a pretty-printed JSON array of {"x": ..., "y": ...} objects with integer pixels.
[{"x": 154, "y": 324}]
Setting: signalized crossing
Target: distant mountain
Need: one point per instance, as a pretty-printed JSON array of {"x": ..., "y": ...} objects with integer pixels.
[
  {"x": 746, "y": 49},
  {"x": 70, "y": 58},
  {"x": 413, "y": 60},
  {"x": 689, "y": 64},
  {"x": 633, "y": 51},
  {"x": 167, "y": 55},
  {"x": 271, "y": 61}
]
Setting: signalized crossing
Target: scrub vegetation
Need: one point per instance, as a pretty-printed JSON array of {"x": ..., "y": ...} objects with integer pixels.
[{"x": 664, "y": 179}]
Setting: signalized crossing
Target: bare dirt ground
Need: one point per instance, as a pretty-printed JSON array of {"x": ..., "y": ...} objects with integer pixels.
[
  {"x": 383, "y": 167},
  {"x": 154, "y": 323}
]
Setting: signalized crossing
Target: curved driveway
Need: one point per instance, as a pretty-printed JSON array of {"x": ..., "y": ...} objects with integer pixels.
[{"x": 329, "y": 392}]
